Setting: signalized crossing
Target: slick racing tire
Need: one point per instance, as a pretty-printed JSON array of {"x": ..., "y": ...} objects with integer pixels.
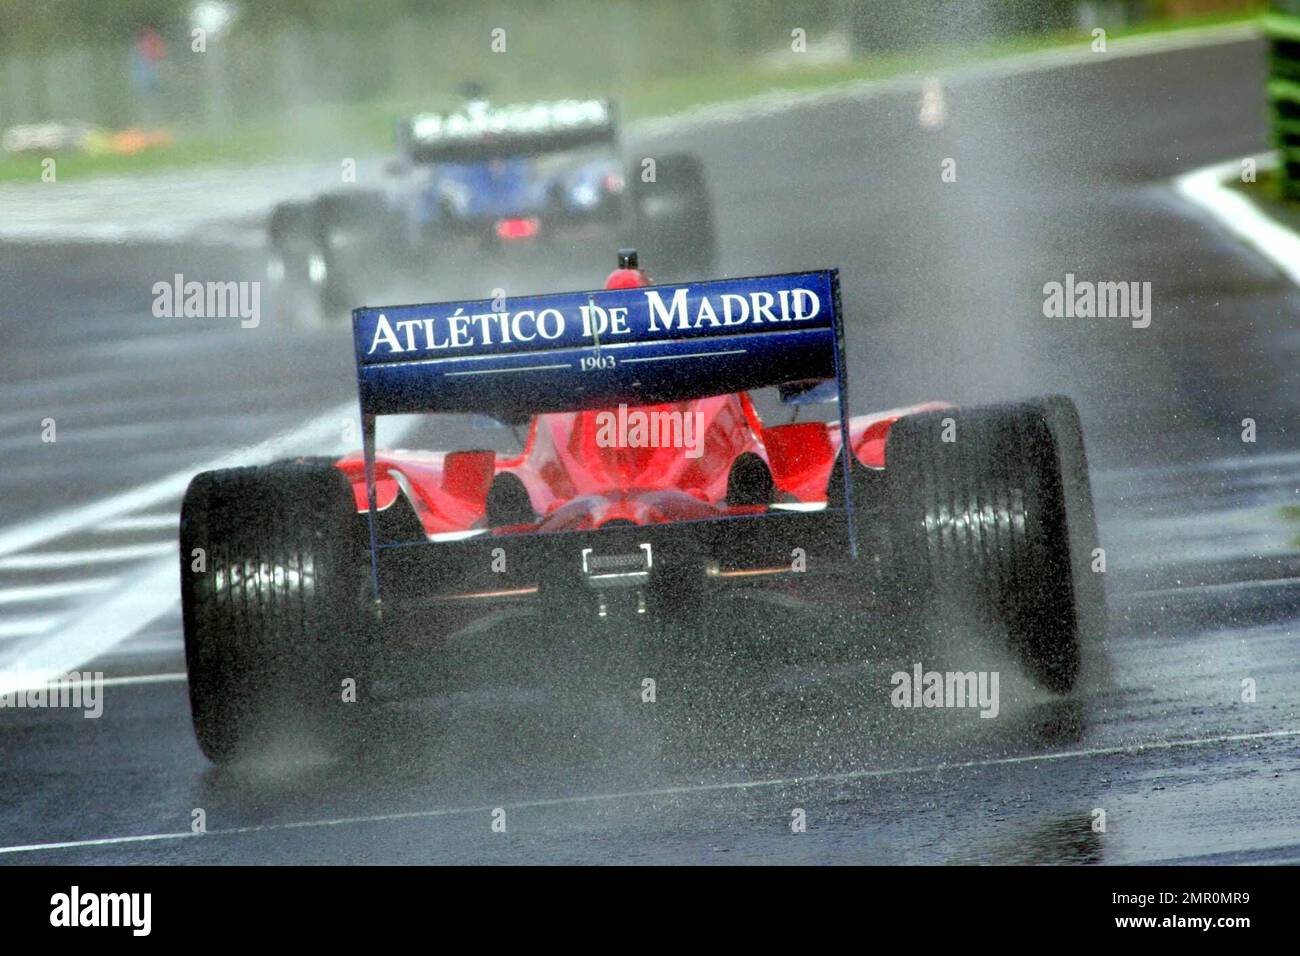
[
  {"x": 1081, "y": 516},
  {"x": 749, "y": 482},
  {"x": 676, "y": 233},
  {"x": 296, "y": 267},
  {"x": 273, "y": 585},
  {"x": 313, "y": 254},
  {"x": 979, "y": 529}
]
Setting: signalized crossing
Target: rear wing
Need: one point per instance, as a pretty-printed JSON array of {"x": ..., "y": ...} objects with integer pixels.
[
  {"x": 573, "y": 351},
  {"x": 512, "y": 358},
  {"x": 481, "y": 131}
]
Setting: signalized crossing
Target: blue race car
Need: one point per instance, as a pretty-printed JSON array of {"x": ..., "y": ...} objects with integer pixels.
[{"x": 490, "y": 180}]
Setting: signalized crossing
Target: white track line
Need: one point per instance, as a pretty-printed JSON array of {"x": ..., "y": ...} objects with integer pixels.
[
  {"x": 324, "y": 429},
  {"x": 86, "y": 637},
  {"x": 146, "y": 522},
  {"x": 59, "y": 589},
  {"x": 131, "y": 681},
  {"x": 1209, "y": 189},
  {"x": 27, "y": 626},
  {"x": 73, "y": 559},
  {"x": 155, "y": 590},
  {"x": 689, "y": 790},
  {"x": 177, "y": 678}
]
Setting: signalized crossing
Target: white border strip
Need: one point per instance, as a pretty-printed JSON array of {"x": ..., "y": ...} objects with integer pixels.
[
  {"x": 87, "y": 636},
  {"x": 145, "y": 522},
  {"x": 1208, "y": 188},
  {"x": 54, "y": 590},
  {"x": 129, "y": 681},
  {"x": 27, "y": 626},
  {"x": 323, "y": 429},
  {"x": 47, "y": 560},
  {"x": 153, "y": 591}
]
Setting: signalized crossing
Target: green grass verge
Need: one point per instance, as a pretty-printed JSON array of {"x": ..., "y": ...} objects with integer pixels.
[
  {"x": 1266, "y": 192},
  {"x": 352, "y": 130},
  {"x": 1267, "y": 185}
]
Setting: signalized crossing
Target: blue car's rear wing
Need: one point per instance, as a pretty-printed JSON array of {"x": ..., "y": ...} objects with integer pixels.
[
  {"x": 599, "y": 349},
  {"x": 480, "y": 131}
]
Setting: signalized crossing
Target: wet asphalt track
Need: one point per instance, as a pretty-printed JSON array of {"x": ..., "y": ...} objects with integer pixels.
[{"x": 1061, "y": 171}]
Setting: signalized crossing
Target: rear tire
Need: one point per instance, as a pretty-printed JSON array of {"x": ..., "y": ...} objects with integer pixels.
[
  {"x": 298, "y": 269},
  {"x": 508, "y": 503},
  {"x": 749, "y": 483},
  {"x": 273, "y": 616},
  {"x": 978, "y": 526},
  {"x": 1081, "y": 516}
]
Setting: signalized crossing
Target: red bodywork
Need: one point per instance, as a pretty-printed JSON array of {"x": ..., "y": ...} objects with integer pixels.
[{"x": 576, "y": 484}]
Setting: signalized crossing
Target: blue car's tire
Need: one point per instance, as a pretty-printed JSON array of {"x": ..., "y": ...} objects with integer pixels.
[
  {"x": 319, "y": 250},
  {"x": 676, "y": 236}
]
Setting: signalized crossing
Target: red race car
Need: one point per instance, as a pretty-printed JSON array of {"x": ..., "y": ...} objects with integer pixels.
[{"x": 647, "y": 484}]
